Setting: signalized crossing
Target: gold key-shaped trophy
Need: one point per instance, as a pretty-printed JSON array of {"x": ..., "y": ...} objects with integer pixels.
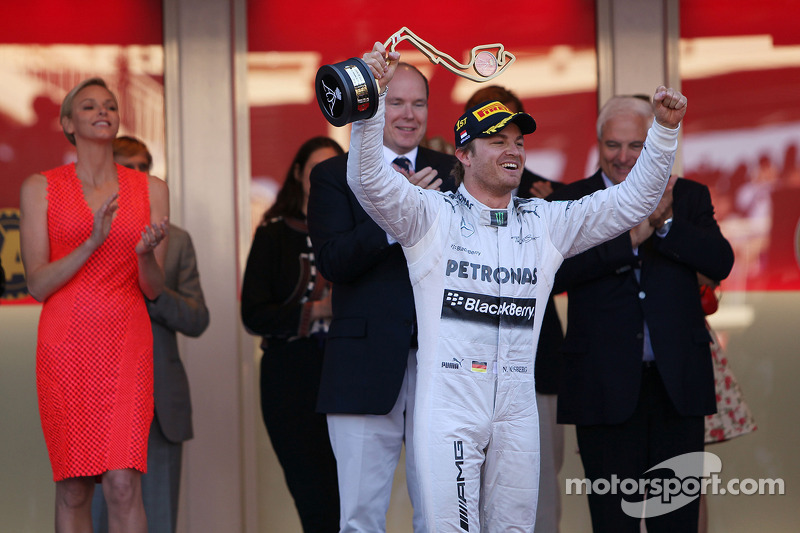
[{"x": 347, "y": 91}]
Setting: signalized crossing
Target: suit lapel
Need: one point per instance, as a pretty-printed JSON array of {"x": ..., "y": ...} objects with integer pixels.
[
  {"x": 421, "y": 160},
  {"x": 595, "y": 183}
]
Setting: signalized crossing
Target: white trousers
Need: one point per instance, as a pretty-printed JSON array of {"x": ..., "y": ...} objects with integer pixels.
[
  {"x": 477, "y": 447},
  {"x": 367, "y": 450}
]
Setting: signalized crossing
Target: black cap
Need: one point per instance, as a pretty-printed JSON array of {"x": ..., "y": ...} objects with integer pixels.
[{"x": 488, "y": 118}]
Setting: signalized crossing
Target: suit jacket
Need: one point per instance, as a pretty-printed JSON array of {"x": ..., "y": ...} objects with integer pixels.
[
  {"x": 180, "y": 307},
  {"x": 366, "y": 353},
  {"x": 602, "y": 351}
]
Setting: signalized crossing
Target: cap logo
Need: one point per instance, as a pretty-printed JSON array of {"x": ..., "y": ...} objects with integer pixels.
[
  {"x": 461, "y": 123},
  {"x": 489, "y": 110}
]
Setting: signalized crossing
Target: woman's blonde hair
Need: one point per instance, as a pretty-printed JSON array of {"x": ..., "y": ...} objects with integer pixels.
[{"x": 66, "y": 105}]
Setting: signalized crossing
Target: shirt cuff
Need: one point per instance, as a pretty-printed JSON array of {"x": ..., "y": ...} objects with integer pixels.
[{"x": 663, "y": 230}]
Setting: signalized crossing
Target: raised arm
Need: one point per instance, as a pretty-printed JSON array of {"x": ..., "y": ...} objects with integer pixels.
[
  {"x": 403, "y": 210},
  {"x": 605, "y": 214}
]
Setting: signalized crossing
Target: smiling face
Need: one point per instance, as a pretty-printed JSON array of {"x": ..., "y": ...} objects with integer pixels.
[
  {"x": 94, "y": 115},
  {"x": 494, "y": 165},
  {"x": 620, "y": 144},
  {"x": 406, "y": 111}
]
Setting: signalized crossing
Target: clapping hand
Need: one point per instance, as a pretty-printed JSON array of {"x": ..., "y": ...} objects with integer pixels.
[
  {"x": 152, "y": 235},
  {"x": 102, "y": 220},
  {"x": 541, "y": 189},
  {"x": 425, "y": 177}
]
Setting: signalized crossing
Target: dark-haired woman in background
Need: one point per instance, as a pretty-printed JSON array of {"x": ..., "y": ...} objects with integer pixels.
[{"x": 287, "y": 302}]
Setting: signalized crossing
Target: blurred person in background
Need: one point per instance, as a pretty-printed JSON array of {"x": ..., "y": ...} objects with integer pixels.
[{"x": 287, "y": 301}]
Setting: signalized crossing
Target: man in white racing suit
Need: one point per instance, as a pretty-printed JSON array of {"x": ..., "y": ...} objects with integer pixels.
[{"x": 479, "y": 261}]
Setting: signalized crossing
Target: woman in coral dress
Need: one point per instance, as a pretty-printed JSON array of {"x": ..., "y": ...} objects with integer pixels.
[{"x": 92, "y": 237}]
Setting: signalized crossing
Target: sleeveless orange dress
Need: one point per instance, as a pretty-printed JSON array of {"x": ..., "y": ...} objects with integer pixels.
[{"x": 94, "y": 358}]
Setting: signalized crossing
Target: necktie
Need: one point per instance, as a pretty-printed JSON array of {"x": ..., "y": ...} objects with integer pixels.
[{"x": 403, "y": 163}]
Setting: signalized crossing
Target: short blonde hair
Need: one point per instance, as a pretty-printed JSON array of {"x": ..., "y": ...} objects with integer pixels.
[{"x": 66, "y": 105}]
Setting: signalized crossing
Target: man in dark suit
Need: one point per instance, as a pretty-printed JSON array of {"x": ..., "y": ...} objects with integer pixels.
[
  {"x": 637, "y": 378},
  {"x": 368, "y": 375},
  {"x": 180, "y": 308}
]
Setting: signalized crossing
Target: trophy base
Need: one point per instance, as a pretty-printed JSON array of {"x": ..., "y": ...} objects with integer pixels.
[{"x": 346, "y": 91}]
